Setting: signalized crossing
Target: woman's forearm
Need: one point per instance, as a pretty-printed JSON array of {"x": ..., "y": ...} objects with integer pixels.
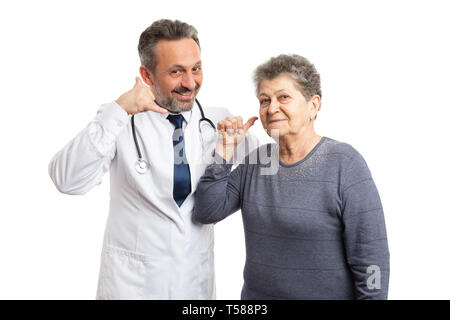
[{"x": 217, "y": 194}]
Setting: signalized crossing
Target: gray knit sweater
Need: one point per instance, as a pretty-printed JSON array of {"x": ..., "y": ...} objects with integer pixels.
[{"x": 313, "y": 230}]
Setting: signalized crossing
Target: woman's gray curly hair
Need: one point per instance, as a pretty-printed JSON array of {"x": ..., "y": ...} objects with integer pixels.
[{"x": 299, "y": 68}]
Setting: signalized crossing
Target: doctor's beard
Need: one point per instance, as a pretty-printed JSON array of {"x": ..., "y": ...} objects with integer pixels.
[{"x": 172, "y": 104}]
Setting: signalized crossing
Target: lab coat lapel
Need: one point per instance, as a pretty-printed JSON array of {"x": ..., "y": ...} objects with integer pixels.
[{"x": 193, "y": 149}]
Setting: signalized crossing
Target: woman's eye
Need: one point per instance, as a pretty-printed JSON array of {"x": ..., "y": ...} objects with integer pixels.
[{"x": 264, "y": 101}]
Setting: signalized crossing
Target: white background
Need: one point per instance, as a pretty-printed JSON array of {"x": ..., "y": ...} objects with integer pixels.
[{"x": 385, "y": 77}]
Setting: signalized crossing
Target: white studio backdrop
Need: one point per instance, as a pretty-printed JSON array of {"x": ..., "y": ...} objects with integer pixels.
[{"x": 384, "y": 68}]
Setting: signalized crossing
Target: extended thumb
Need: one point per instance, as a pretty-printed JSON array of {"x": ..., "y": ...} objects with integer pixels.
[{"x": 250, "y": 122}]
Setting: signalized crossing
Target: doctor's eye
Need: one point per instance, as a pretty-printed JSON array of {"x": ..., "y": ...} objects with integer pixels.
[
  {"x": 175, "y": 72},
  {"x": 196, "y": 69}
]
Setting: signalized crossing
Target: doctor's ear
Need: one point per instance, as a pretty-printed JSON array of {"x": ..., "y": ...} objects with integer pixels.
[{"x": 146, "y": 75}]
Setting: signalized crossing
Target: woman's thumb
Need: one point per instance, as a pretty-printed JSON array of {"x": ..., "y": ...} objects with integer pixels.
[{"x": 249, "y": 123}]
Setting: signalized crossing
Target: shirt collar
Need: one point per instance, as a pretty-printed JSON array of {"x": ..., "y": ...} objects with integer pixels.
[{"x": 186, "y": 114}]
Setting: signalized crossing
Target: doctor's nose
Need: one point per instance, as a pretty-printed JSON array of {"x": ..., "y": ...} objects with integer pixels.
[{"x": 188, "y": 81}]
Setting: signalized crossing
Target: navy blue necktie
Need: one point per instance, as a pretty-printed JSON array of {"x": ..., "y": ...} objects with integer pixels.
[{"x": 181, "y": 173}]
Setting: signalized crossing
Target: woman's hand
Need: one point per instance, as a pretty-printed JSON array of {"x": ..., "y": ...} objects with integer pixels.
[{"x": 231, "y": 133}]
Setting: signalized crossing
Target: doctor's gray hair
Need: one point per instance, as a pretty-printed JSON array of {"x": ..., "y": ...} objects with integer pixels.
[
  {"x": 163, "y": 29},
  {"x": 306, "y": 77}
]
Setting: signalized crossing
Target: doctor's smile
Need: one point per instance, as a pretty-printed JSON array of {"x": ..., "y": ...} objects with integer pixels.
[{"x": 184, "y": 94}]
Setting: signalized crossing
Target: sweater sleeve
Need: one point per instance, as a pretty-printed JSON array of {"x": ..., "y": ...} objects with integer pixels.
[
  {"x": 218, "y": 192},
  {"x": 365, "y": 235}
]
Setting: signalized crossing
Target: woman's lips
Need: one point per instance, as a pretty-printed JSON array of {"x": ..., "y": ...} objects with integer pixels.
[{"x": 276, "y": 120}]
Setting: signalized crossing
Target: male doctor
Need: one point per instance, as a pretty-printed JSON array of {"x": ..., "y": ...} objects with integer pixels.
[{"x": 152, "y": 248}]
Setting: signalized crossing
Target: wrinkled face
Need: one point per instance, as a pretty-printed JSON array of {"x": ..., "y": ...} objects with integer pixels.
[
  {"x": 178, "y": 74},
  {"x": 283, "y": 108}
]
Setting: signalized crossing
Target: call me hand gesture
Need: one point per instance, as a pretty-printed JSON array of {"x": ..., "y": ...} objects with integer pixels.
[{"x": 139, "y": 99}]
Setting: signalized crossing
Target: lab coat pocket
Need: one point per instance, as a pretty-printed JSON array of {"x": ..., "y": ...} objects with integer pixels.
[{"x": 126, "y": 275}]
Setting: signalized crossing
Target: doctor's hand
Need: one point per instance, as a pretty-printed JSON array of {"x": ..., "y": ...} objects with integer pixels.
[
  {"x": 139, "y": 99},
  {"x": 231, "y": 132}
]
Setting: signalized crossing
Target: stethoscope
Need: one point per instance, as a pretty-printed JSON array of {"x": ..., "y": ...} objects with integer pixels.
[{"x": 141, "y": 164}]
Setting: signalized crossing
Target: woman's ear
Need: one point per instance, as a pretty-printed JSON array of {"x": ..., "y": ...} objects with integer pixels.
[
  {"x": 146, "y": 75},
  {"x": 314, "y": 104}
]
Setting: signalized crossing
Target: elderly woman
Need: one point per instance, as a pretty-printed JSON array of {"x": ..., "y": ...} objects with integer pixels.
[{"x": 314, "y": 228}]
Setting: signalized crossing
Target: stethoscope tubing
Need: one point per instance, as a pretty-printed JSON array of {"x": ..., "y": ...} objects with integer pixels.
[{"x": 141, "y": 165}]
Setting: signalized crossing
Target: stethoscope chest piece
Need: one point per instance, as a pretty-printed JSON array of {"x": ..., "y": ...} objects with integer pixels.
[{"x": 141, "y": 166}]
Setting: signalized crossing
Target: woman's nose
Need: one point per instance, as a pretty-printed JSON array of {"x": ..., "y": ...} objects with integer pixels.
[{"x": 273, "y": 107}]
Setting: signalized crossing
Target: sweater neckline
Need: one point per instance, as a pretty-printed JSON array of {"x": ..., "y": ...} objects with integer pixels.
[{"x": 306, "y": 157}]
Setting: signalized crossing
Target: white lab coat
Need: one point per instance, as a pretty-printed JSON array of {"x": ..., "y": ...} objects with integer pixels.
[{"x": 152, "y": 249}]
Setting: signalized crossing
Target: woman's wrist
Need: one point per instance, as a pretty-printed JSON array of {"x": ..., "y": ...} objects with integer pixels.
[{"x": 225, "y": 151}]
